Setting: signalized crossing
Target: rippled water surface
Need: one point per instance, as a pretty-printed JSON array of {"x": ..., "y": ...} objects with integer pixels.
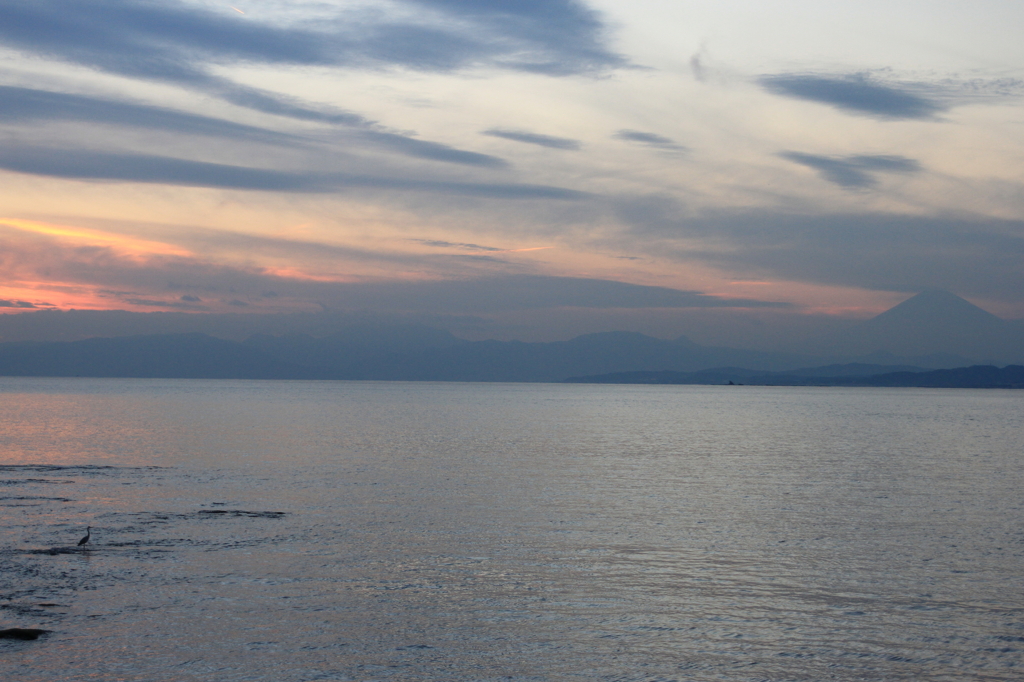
[{"x": 294, "y": 531}]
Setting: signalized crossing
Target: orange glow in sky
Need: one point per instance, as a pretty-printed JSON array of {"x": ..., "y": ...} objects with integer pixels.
[{"x": 128, "y": 245}]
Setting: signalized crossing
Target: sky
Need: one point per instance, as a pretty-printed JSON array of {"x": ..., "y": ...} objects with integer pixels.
[{"x": 524, "y": 169}]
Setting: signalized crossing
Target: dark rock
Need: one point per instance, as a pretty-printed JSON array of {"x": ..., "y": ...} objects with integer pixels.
[
  {"x": 242, "y": 512},
  {"x": 22, "y": 633}
]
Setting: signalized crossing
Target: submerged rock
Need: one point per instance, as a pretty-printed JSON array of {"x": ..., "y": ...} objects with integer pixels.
[
  {"x": 242, "y": 512},
  {"x": 54, "y": 551},
  {"x": 22, "y": 633}
]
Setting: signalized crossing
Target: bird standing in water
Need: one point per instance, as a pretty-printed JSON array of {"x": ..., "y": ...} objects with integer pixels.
[{"x": 88, "y": 534}]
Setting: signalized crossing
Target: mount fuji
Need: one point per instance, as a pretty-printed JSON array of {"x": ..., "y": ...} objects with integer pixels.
[{"x": 934, "y": 324}]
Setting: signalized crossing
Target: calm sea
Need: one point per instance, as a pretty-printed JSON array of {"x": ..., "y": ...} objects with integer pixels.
[{"x": 295, "y": 531}]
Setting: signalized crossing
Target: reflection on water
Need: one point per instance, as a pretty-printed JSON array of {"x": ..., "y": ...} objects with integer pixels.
[{"x": 300, "y": 531}]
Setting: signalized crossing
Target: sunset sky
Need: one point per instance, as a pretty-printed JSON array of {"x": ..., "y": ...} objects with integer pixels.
[{"x": 535, "y": 167}]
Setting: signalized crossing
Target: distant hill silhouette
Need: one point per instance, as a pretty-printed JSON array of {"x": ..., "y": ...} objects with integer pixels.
[
  {"x": 185, "y": 356},
  {"x": 383, "y": 355},
  {"x": 978, "y": 376},
  {"x": 617, "y": 357},
  {"x": 512, "y": 360}
]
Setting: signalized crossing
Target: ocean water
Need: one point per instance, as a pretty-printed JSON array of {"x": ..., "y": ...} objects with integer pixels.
[{"x": 294, "y": 531}]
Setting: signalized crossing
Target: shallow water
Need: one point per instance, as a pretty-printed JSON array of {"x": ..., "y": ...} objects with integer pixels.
[{"x": 509, "y": 532}]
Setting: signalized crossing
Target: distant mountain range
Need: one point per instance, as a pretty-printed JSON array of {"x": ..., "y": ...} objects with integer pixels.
[
  {"x": 407, "y": 354},
  {"x": 420, "y": 353}
]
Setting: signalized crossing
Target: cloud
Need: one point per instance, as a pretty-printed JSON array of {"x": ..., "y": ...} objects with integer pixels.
[
  {"x": 649, "y": 139},
  {"x": 534, "y": 138},
  {"x": 191, "y": 45},
  {"x": 459, "y": 245},
  {"x": 145, "y": 168},
  {"x": 976, "y": 256},
  {"x": 158, "y": 281},
  {"x": 882, "y": 252},
  {"x": 101, "y": 258},
  {"x": 27, "y": 104},
  {"x": 854, "y": 172},
  {"x": 433, "y": 151},
  {"x": 16, "y": 304},
  {"x": 697, "y": 68},
  {"x": 519, "y": 292},
  {"x": 19, "y": 104},
  {"x": 179, "y": 42},
  {"x": 90, "y": 165},
  {"x": 169, "y": 41},
  {"x": 477, "y": 258},
  {"x": 856, "y": 94},
  {"x": 181, "y": 304},
  {"x": 553, "y": 37},
  {"x": 523, "y": 292},
  {"x": 98, "y": 260}
]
